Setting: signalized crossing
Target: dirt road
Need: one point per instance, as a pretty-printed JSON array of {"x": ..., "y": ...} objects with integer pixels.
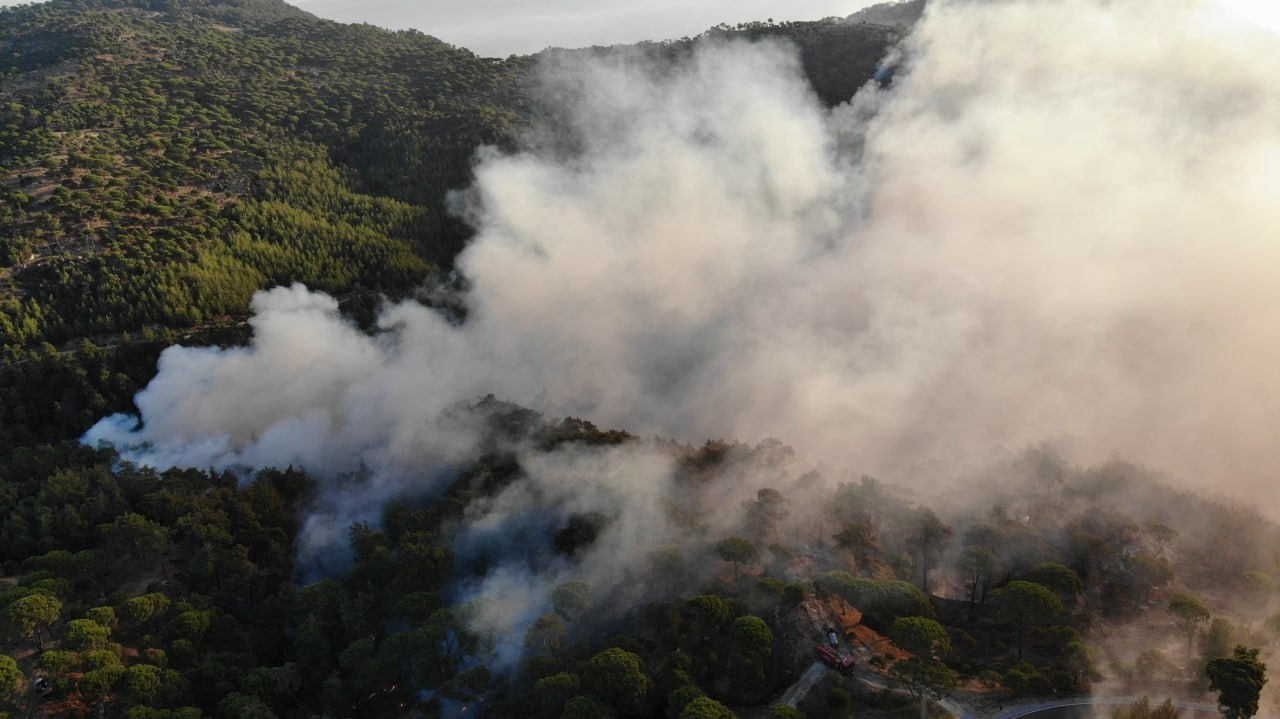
[{"x": 810, "y": 678}]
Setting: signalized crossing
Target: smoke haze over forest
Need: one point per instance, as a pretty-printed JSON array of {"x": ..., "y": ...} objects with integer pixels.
[{"x": 1058, "y": 223}]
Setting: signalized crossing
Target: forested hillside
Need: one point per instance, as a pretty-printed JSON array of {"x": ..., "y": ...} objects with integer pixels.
[
  {"x": 136, "y": 593},
  {"x": 154, "y": 160},
  {"x": 162, "y": 160}
]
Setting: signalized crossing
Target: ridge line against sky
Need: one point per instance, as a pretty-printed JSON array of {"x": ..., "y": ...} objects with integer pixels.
[{"x": 498, "y": 28}]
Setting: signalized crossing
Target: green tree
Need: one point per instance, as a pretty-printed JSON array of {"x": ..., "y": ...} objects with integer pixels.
[
  {"x": 881, "y": 601},
  {"x": 1218, "y": 639},
  {"x": 56, "y": 663},
  {"x": 1238, "y": 679},
  {"x": 1142, "y": 709},
  {"x": 752, "y": 645},
  {"x": 860, "y": 542},
  {"x": 1163, "y": 536},
  {"x": 679, "y": 698},
  {"x": 1190, "y": 614},
  {"x": 138, "y": 611},
  {"x": 705, "y": 707},
  {"x": 782, "y": 711},
  {"x": 1147, "y": 573},
  {"x": 417, "y": 607},
  {"x": 708, "y": 611},
  {"x": 585, "y": 707},
  {"x": 616, "y": 677},
  {"x": 153, "y": 655},
  {"x": 546, "y": 634},
  {"x": 465, "y": 686},
  {"x": 31, "y": 615},
  {"x": 143, "y": 682},
  {"x": 927, "y": 537},
  {"x": 924, "y": 678},
  {"x": 738, "y": 551},
  {"x": 97, "y": 684},
  {"x": 980, "y": 566},
  {"x": 920, "y": 636},
  {"x": 1075, "y": 659},
  {"x": 552, "y": 692},
  {"x": 765, "y": 512},
  {"x": 135, "y": 535},
  {"x": 106, "y": 616},
  {"x": 191, "y": 625},
  {"x": 86, "y": 634},
  {"x": 447, "y": 629},
  {"x": 421, "y": 565},
  {"x": 1026, "y": 605},
  {"x": 12, "y": 680},
  {"x": 924, "y": 675},
  {"x": 1015, "y": 681},
  {"x": 182, "y": 653},
  {"x": 244, "y": 706},
  {"x": 1059, "y": 578},
  {"x": 101, "y": 658},
  {"x": 752, "y": 639},
  {"x": 274, "y": 684},
  {"x": 571, "y": 597}
]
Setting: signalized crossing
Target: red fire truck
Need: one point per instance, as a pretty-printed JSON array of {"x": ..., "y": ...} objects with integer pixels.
[{"x": 844, "y": 665}]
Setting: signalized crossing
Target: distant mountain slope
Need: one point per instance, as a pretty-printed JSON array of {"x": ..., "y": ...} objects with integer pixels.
[
  {"x": 903, "y": 13},
  {"x": 159, "y": 167},
  {"x": 237, "y": 13},
  {"x": 156, "y": 168},
  {"x": 838, "y": 57}
]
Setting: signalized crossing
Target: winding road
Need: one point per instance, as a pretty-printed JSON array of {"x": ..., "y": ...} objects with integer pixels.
[
  {"x": 1076, "y": 707},
  {"x": 1072, "y": 708},
  {"x": 1069, "y": 708}
]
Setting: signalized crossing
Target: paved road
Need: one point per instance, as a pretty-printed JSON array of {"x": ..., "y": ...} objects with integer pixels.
[
  {"x": 1073, "y": 708},
  {"x": 1079, "y": 707}
]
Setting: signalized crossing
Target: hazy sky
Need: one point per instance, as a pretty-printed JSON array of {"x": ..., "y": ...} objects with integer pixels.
[
  {"x": 502, "y": 27},
  {"x": 499, "y": 28}
]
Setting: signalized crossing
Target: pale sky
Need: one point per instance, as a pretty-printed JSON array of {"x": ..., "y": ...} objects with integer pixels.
[
  {"x": 502, "y": 27},
  {"x": 498, "y": 28}
]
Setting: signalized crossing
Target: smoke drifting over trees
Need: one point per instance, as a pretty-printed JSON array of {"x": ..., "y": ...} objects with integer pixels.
[
  {"x": 1061, "y": 225},
  {"x": 1057, "y": 222}
]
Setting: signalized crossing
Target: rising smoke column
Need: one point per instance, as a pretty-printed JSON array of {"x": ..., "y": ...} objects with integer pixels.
[{"x": 1062, "y": 224}]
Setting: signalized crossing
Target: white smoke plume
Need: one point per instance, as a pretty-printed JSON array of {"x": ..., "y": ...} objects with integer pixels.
[{"x": 1061, "y": 221}]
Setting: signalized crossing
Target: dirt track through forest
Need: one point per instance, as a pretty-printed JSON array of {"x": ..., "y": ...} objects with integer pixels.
[{"x": 794, "y": 693}]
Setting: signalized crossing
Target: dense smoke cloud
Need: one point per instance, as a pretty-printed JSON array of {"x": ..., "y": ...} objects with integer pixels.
[{"x": 1060, "y": 222}]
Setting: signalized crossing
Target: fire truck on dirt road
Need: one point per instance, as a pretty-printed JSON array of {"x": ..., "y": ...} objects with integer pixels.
[{"x": 832, "y": 658}]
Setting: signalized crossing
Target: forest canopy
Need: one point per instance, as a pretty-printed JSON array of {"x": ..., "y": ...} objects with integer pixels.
[{"x": 164, "y": 161}]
